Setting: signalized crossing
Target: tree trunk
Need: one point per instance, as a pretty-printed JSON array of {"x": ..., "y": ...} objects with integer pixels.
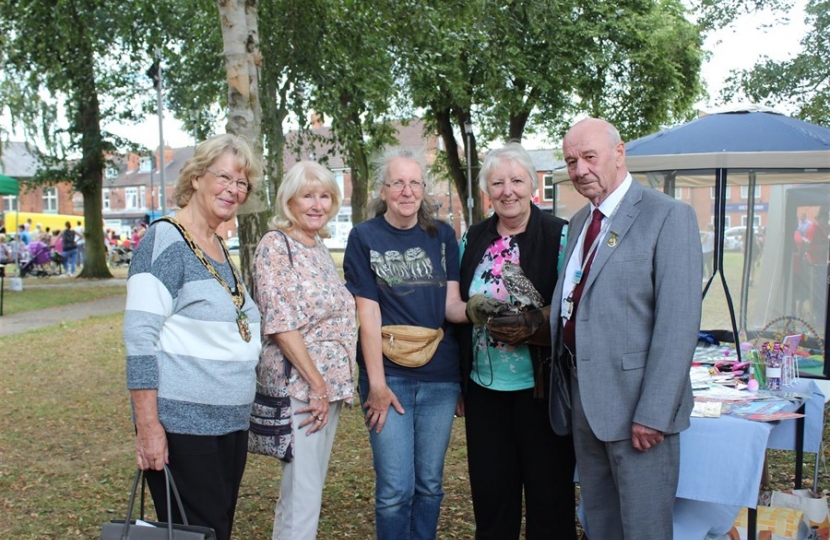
[
  {"x": 457, "y": 167},
  {"x": 240, "y": 36},
  {"x": 88, "y": 124},
  {"x": 475, "y": 192},
  {"x": 360, "y": 174}
]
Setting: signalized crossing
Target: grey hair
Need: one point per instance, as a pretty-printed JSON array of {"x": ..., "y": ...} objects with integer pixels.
[
  {"x": 381, "y": 177},
  {"x": 513, "y": 152}
]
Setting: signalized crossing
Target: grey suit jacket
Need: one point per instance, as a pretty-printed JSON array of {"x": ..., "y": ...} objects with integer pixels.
[{"x": 639, "y": 316}]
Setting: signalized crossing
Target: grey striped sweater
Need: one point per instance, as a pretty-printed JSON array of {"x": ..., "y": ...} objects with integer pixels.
[{"x": 181, "y": 338}]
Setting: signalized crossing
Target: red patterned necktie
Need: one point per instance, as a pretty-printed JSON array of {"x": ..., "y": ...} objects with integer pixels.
[{"x": 590, "y": 236}]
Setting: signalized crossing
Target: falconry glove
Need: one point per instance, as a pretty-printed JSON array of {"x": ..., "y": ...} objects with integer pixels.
[{"x": 481, "y": 308}]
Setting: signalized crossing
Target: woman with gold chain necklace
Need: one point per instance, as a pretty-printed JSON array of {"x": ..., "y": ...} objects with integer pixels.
[{"x": 191, "y": 332}]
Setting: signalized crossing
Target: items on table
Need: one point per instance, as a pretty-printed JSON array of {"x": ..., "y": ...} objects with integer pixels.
[{"x": 774, "y": 359}]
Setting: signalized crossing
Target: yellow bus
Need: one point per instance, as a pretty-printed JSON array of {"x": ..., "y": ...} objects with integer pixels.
[{"x": 53, "y": 221}]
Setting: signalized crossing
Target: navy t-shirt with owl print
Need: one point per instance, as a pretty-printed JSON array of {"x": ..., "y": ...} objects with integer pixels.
[{"x": 406, "y": 272}]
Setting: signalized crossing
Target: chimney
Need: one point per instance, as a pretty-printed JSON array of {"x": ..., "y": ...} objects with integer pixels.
[{"x": 133, "y": 161}]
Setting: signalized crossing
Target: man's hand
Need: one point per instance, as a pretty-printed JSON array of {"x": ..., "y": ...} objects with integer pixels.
[
  {"x": 480, "y": 309},
  {"x": 644, "y": 438}
]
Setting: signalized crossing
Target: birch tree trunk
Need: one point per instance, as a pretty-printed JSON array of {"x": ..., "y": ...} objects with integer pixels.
[{"x": 240, "y": 37}]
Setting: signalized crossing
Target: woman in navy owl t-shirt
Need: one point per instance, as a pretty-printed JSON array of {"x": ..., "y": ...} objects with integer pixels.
[{"x": 402, "y": 268}]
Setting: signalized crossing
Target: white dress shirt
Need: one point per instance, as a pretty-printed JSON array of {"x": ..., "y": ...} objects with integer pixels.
[{"x": 607, "y": 208}]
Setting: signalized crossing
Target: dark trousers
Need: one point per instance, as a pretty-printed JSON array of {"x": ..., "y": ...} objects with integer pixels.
[
  {"x": 511, "y": 451},
  {"x": 208, "y": 471}
]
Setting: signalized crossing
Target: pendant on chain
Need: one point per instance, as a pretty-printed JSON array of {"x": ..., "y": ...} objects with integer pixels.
[{"x": 244, "y": 327}]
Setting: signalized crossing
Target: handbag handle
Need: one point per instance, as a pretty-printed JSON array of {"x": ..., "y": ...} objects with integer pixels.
[{"x": 168, "y": 482}]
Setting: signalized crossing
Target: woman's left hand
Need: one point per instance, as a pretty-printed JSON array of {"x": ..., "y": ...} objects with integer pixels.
[
  {"x": 318, "y": 413},
  {"x": 293, "y": 347}
]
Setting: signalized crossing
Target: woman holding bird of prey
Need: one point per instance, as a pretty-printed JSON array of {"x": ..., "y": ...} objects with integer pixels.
[{"x": 509, "y": 266}]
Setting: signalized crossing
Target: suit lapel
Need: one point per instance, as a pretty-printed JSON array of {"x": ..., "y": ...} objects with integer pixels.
[
  {"x": 575, "y": 229},
  {"x": 618, "y": 229}
]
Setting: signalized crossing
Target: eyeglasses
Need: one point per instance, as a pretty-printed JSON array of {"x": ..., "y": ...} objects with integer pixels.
[
  {"x": 399, "y": 185},
  {"x": 242, "y": 185}
]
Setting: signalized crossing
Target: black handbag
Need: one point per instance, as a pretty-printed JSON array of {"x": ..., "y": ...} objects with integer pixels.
[{"x": 127, "y": 529}]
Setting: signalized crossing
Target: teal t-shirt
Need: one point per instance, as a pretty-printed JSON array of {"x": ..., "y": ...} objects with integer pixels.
[{"x": 497, "y": 365}]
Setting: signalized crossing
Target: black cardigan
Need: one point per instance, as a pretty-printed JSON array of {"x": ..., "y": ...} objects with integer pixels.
[{"x": 539, "y": 254}]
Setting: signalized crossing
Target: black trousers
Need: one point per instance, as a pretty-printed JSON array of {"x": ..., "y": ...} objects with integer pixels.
[
  {"x": 512, "y": 451},
  {"x": 208, "y": 471}
]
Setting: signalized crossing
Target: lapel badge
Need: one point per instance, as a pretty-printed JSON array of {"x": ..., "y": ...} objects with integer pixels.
[{"x": 612, "y": 240}]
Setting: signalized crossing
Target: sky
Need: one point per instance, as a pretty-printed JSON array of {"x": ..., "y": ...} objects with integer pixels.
[
  {"x": 738, "y": 46},
  {"x": 741, "y": 45}
]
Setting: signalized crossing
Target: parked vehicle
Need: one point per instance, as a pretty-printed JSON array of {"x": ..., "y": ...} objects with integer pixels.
[
  {"x": 733, "y": 238},
  {"x": 233, "y": 245}
]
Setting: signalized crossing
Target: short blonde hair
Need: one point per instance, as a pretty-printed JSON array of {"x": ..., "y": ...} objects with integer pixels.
[
  {"x": 300, "y": 176},
  {"x": 207, "y": 152}
]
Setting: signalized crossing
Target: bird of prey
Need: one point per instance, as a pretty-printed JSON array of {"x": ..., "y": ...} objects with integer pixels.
[{"x": 519, "y": 287}]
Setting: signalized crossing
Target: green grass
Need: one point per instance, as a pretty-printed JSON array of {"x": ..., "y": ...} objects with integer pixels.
[
  {"x": 66, "y": 451},
  {"x": 67, "y": 454},
  {"x": 36, "y": 298}
]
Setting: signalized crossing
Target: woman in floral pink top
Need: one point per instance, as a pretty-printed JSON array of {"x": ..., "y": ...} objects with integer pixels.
[{"x": 308, "y": 318}]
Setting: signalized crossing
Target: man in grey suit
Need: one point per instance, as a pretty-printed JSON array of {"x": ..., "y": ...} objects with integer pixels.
[{"x": 630, "y": 305}]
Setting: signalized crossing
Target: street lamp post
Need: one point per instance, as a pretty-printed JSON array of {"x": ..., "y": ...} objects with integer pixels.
[
  {"x": 450, "y": 187},
  {"x": 468, "y": 130},
  {"x": 160, "y": 105},
  {"x": 194, "y": 118}
]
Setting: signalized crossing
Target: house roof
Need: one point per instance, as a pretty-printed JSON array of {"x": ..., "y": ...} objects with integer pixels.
[
  {"x": 17, "y": 161},
  {"x": 127, "y": 178},
  {"x": 544, "y": 160}
]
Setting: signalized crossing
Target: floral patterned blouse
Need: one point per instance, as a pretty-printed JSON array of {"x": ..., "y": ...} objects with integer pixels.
[{"x": 305, "y": 293}]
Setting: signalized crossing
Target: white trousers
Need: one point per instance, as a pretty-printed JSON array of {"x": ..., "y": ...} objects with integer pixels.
[{"x": 301, "y": 491}]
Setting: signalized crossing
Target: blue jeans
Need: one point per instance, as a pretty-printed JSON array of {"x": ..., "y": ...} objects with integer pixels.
[
  {"x": 408, "y": 457},
  {"x": 69, "y": 257}
]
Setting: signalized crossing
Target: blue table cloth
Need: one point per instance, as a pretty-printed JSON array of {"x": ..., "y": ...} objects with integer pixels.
[{"x": 722, "y": 459}]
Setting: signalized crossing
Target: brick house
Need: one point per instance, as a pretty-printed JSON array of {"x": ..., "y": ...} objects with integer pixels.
[{"x": 18, "y": 162}]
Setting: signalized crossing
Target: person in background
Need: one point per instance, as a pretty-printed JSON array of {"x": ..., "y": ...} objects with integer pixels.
[
  {"x": 629, "y": 302},
  {"x": 307, "y": 320},
  {"x": 506, "y": 384},
  {"x": 81, "y": 243},
  {"x": 55, "y": 241},
  {"x": 803, "y": 224},
  {"x": 23, "y": 235},
  {"x": 191, "y": 332},
  {"x": 6, "y": 256},
  {"x": 18, "y": 248},
  {"x": 135, "y": 239},
  {"x": 708, "y": 250},
  {"x": 817, "y": 243},
  {"x": 69, "y": 243},
  {"x": 402, "y": 268}
]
